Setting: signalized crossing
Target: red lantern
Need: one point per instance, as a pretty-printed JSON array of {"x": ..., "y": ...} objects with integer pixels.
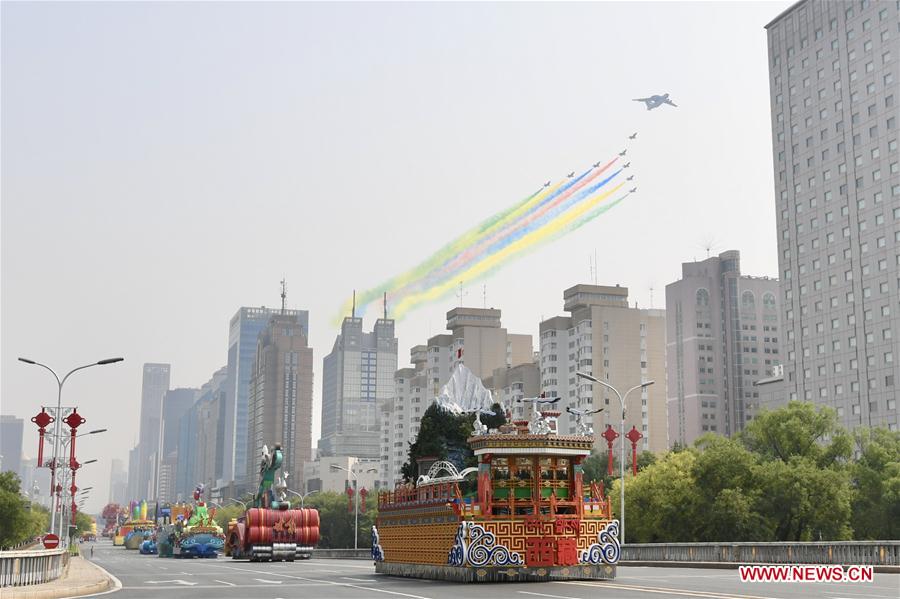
[
  {"x": 362, "y": 495},
  {"x": 349, "y": 500},
  {"x": 634, "y": 435},
  {"x": 610, "y": 435}
]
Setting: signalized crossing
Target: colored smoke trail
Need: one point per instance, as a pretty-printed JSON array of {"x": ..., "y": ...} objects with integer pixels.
[{"x": 534, "y": 221}]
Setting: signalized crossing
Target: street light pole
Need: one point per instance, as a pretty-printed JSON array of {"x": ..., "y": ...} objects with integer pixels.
[
  {"x": 355, "y": 476},
  {"x": 57, "y": 418},
  {"x": 302, "y": 496},
  {"x": 622, "y": 403}
]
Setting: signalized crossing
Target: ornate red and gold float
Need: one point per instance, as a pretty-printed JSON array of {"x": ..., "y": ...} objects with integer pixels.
[{"x": 527, "y": 515}]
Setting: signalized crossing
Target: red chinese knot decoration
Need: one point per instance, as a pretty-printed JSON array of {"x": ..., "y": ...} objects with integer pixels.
[
  {"x": 362, "y": 495},
  {"x": 610, "y": 435},
  {"x": 634, "y": 435},
  {"x": 43, "y": 419},
  {"x": 349, "y": 500}
]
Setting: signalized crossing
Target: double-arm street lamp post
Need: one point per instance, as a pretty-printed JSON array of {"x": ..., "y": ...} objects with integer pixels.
[
  {"x": 302, "y": 496},
  {"x": 355, "y": 474},
  {"x": 622, "y": 402},
  {"x": 57, "y": 418}
]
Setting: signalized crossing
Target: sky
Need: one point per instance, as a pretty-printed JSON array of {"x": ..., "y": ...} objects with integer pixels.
[{"x": 165, "y": 163}]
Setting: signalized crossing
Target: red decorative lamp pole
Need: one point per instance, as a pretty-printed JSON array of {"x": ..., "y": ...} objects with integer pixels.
[
  {"x": 610, "y": 435},
  {"x": 634, "y": 435},
  {"x": 42, "y": 420}
]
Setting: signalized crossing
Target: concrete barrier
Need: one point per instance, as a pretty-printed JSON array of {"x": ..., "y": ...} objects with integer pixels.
[{"x": 342, "y": 554}]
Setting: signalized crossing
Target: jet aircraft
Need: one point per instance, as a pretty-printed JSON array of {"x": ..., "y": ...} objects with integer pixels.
[
  {"x": 633, "y": 135},
  {"x": 626, "y": 165},
  {"x": 623, "y": 152},
  {"x": 656, "y": 101},
  {"x": 630, "y": 178}
]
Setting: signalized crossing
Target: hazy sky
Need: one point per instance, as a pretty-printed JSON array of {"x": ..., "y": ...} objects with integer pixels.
[{"x": 164, "y": 164}]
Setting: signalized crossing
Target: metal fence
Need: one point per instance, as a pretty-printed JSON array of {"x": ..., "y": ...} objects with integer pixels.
[
  {"x": 18, "y": 568},
  {"x": 879, "y": 553}
]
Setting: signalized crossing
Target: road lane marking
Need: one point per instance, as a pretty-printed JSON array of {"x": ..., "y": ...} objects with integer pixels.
[
  {"x": 231, "y": 584},
  {"x": 546, "y": 595},
  {"x": 340, "y": 584},
  {"x": 268, "y": 581},
  {"x": 177, "y": 581},
  {"x": 358, "y": 579},
  {"x": 664, "y": 590}
]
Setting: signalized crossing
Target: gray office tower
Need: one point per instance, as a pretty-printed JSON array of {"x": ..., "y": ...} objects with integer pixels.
[
  {"x": 11, "y": 444},
  {"x": 357, "y": 378},
  {"x": 722, "y": 336},
  {"x": 245, "y": 327},
  {"x": 154, "y": 385},
  {"x": 833, "y": 69}
]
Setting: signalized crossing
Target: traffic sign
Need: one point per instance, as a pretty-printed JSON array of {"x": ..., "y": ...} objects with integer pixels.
[{"x": 51, "y": 541}]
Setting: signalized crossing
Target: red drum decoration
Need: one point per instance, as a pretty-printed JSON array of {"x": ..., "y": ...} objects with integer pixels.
[{"x": 267, "y": 526}]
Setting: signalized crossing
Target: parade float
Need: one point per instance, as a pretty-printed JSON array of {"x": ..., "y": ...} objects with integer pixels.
[
  {"x": 271, "y": 530},
  {"x": 528, "y": 515},
  {"x": 193, "y": 531},
  {"x": 138, "y": 528}
]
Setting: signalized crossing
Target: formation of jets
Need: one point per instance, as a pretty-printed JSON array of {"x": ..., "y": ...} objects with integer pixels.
[{"x": 656, "y": 101}]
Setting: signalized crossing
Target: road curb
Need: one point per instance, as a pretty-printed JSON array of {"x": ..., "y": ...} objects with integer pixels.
[{"x": 109, "y": 584}]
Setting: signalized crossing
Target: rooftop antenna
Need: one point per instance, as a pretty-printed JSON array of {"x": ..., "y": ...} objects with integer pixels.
[
  {"x": 385, "y": 305},
  {"x": 651, "y": 296},
  {"x": 595, "y": 266},
  {"x": 708, "y": 246},
  {"x": 283, "y": 295},
  {"x": 353, "y": 312},
  {"x": 484, "y": 296},
  {"x": 460, "y": 294}
]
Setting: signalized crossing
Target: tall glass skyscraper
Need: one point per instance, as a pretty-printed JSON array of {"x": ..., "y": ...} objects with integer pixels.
[{"x": 246, "y": 325}]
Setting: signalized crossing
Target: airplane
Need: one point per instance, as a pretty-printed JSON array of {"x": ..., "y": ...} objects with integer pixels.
[
  {"x": 572, "y": 174},
  {"x": 582, "y": 411},
  {"x": 656, "y": 101},
  {"x": 630, "y": 178},
  {"x": 596, "y": 164},
  {"x": 623, "y": 152},
  {"x": 547, "y": 184},
  {"x": 626, "y": 165},
  {"x": 633, "y": 135},
  {"x": 633, "y": 189}
]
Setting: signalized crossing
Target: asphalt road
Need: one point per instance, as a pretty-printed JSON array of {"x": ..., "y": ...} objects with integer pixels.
[{"x": 224, "y": 578}]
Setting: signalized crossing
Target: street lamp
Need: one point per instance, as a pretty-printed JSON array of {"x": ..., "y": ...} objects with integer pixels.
[
  {"x": 302, "y": 496},
  {"x": 57, "y": 418},
  {"x": 244, "y": 505},
  {"x": 622, "y": 400},
  {"x": 355, "y": 476}
]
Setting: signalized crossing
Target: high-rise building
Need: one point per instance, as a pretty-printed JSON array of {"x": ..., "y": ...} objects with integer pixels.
[
  {"x": 613, "y": 342},
  {"x": 11, "y": 429},
  {"x": 134, "y": 483},
  {"x": 154, "y": 385},
  {"x": 35, "y": 481},
  {"x": 722, "y": 337},
  {"x": 833, "y": 84},
  {"x": 118, "y": 482},
  {"x": 401, "y": 416},
  {"x": 201, "y": 438},
  {"x": 281, "y": 394},
  {"x": 176, "y": 404},
  {"x": 357, "y": 376},
  {"x": 510, "y": 384},
  {"x": 244, "y": 330}
]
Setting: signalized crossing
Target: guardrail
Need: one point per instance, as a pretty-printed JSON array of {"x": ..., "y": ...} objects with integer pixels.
[
  {"x": 878, "y": 553},
  {"x": 19, "y": 568}
]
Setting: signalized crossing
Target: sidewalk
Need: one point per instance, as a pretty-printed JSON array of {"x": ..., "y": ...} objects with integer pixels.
[{"x": 82, "y": 578}]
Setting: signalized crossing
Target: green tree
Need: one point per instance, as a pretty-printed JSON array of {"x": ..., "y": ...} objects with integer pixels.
[
  {"x": 336, "y": 522},
  {"x": 804, "y": 502},
  {"x": 442, "y": 435},
  {"x": 875, "y": 476},
  {"x": 16, "y": 523},
  {"x": 799, "y": 429},
  {"x": 658, "y": 500},
  {"x": 225, "y": 514}
]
